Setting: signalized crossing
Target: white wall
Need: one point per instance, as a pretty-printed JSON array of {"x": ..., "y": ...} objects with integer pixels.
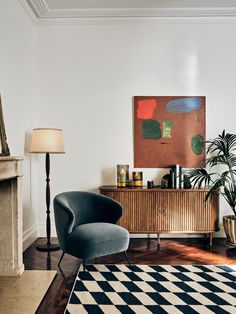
[
  {"x": 88, "y": 74},
  {"x": 17, "y": 66}
]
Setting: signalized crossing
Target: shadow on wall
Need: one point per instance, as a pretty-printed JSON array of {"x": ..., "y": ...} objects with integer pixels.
[
  {"x": 108, "y": 176},
  {"x": 28, "y": 169},
  {"x": 27, "y": 143}
]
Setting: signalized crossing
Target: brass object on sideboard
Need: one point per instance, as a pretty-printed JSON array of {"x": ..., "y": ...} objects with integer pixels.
[{"x": 166, "y": 210}]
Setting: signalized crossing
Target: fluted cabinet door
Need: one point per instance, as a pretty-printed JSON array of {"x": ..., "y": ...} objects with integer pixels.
[
  {"x": 166, "y": 211},
  {"x": 136, "y": 210},
  {"x": 176, "y": 211}
]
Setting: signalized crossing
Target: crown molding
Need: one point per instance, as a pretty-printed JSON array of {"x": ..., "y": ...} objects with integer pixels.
[
  {"x": 41, "y": 14},
  {"x": 133, "y": 21},
  {"x": 39, "y": 8},
  {"x": 141, "y": 13},
  {"x": 28, "y": 10}
]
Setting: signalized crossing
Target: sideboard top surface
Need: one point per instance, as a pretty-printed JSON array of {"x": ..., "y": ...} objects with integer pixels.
[{"x": 145, "y": 189}]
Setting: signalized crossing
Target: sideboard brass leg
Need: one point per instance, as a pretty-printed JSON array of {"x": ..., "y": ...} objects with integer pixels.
[
  {"x": 210, "y": 240},
  {"x": 149, "y": 242},
  {"x": 158, "y": 241}
]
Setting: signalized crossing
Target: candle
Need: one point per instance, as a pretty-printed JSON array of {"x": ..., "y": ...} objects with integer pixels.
[
  {"x": 122, "y": 175},
  {"x": 137, "y": 179}
]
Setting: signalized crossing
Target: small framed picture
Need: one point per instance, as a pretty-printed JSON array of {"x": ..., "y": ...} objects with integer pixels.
[{"x": 4, "y": 150}]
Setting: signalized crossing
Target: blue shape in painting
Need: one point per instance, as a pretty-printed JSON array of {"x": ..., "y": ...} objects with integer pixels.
[{"x": 183, "y": 105}]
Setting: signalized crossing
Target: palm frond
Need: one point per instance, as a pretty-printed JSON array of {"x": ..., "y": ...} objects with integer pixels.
[
  {"x": 226, "y": 177},
  {"x": 234, "y": 172},
  {"x": 230, "y": 196},
  {"x": 198, "y": 177},
  {"x": 217, "y": 146},
  {"x": 222, "y": 160},
  {"x": 216, "y": 160},
  {"x": 232, "y": 160},
  {"x": 231, "y": 141},
  {"x": 216, "y": 186},
  {"x": 221, "y": 151},
  {"x": 225, "y": 143}
]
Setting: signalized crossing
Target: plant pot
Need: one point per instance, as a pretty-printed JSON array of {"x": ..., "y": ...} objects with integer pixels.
[{"x": 229, "y": 223}]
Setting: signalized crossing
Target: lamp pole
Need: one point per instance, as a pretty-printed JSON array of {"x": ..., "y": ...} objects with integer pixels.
[
  {"x": 47, "y": 141},
  {"x": 48, "y": 246},
  {"x": 48, "y": 196}
]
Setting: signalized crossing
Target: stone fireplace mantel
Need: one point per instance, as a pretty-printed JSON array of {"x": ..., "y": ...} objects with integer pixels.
[{"x": 11, "y": 263}]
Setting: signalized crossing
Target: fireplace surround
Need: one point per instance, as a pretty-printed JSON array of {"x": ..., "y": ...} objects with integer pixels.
[{"x": 11, "y": 263}]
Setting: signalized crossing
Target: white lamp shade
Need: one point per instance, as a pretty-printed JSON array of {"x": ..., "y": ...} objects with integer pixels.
[{"x": 47, "y": 140}]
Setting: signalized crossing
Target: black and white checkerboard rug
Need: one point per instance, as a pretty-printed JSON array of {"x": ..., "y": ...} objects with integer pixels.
[{"x": 143, "y": 289}]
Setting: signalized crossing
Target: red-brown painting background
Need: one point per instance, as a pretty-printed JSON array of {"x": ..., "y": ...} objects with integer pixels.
[{"x": 150, "y": 153}]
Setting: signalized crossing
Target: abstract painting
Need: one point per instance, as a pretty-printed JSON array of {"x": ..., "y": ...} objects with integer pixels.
[{"x": 169, "y": 130}]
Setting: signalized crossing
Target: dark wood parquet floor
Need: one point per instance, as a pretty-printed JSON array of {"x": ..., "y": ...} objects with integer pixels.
[{"x": 141, "y": 251}]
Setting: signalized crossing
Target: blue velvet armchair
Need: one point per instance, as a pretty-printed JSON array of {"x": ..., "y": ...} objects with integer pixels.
[{"x": 86, "y": 225}]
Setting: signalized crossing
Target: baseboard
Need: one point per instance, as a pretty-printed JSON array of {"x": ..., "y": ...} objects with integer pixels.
[
  {"x": 41, "y": 230},
  {"x": 29, "y": 236}
]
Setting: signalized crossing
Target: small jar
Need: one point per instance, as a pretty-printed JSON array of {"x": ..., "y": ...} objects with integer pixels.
[
  {"x": 137, "y": 179},
  {"x": 150, "y": 184}
]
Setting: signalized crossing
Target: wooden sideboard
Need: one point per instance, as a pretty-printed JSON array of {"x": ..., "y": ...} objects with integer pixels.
[{"x": 166, "y": 210}]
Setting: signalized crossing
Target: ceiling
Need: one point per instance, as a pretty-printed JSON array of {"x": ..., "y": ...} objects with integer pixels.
[{"x": 81, "y": 9}]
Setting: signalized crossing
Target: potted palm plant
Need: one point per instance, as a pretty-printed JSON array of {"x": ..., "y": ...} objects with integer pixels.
[{"x": 220, "y": 177}]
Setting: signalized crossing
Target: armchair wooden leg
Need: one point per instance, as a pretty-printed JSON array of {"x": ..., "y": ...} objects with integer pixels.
[
  {"x": 84, "y": 265},
  {"x": 63, "y": 253},
  {"x": 126, "y": 256},
  {"x": 63, "y": 275}
]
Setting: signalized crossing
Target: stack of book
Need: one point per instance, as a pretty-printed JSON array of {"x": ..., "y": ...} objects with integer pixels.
[{"x": 176, "y": 177}]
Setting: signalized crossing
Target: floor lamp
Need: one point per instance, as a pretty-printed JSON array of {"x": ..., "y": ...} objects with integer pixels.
[{"x": 47, "y": 141}]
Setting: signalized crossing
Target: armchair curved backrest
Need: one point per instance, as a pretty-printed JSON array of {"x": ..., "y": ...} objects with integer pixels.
[{"x": 75, "y": 208}]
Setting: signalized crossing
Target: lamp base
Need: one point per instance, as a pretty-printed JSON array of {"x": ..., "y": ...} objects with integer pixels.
[{"x": 48, "y": 247}]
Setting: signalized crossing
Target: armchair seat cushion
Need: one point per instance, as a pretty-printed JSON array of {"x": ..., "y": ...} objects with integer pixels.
[{"x": 97, "y": 239}]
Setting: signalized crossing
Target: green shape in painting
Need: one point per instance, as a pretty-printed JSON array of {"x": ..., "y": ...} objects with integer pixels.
[
  {"x": 151, "y": 129},
  {"x": 167, "y": 125},
  {"x": 197, "y": 144}
]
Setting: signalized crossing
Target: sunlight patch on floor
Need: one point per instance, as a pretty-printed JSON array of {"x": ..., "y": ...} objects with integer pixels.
[
  {"x": 200, "y": 256},
  {"x": 24, "y": 293}
]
